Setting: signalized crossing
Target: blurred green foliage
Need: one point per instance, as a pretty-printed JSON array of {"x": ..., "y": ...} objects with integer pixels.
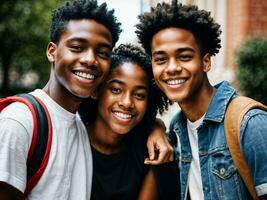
[
  {"x": 24, "y": 33},
  {"x": 251, "y": 63}
]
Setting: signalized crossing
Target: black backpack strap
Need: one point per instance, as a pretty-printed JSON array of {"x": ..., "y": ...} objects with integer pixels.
[{"x": 41, "y": 138}]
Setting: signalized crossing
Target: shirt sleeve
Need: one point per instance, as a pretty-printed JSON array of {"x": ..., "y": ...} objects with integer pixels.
[
  {"x": 253, "y": 141},
  {"x": 14, "y": 146}
]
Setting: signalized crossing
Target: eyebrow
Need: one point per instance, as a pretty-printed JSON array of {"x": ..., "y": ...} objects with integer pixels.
[
  {"x": 123, "y": 83},
  {"x": 160, "y": 52},
  {"x": 82, "y": 40}
]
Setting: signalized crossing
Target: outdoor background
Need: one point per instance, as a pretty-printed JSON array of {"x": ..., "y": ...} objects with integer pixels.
[{"x": 24, "y": 34}]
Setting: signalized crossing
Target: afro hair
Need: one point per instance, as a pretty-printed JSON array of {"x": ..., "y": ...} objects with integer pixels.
[{"x": 189, "y": 17}]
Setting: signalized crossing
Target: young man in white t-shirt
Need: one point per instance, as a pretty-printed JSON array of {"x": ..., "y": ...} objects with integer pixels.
[{"x": 82, "y": 36}]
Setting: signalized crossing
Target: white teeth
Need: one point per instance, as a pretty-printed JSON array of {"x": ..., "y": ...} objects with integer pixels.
[
  {"x": 85, "y": 75},
  {"x": 175, "y": 82},
  {"x": 123, "y": 115}
]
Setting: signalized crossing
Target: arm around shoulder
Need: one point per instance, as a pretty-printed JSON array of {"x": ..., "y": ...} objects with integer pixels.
[{"x": 159, "y": 149}]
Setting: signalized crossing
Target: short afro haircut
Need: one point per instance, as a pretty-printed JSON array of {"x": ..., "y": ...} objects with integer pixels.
[
  {"x": 84, "y": 9},
  {"x": 157, "y": 101},
  {"x": 189, "y": 17}
]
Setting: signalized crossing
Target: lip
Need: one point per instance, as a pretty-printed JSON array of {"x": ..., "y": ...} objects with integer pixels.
[
  {"x": 175, "y": 82},
  {"x": 85, "y": 76},
  {"x": 122, "y": 116}
]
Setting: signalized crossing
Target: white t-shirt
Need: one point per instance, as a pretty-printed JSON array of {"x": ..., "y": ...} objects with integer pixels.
[
  {"x": 68, "y": 175},
  {"x": 194, "y": 176}
]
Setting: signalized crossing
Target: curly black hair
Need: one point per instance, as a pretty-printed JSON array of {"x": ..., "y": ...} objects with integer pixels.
[
  {"x": 157, "y": 101},
  {"x": 84, "y": 9},
  {"x": 189, "y": 17}
]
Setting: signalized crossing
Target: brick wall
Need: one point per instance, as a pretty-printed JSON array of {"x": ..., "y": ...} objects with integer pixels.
[{"x": 245, "y": 18}]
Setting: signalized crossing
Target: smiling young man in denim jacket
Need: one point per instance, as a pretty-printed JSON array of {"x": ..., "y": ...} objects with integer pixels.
[{"x": 181, "y": 40}]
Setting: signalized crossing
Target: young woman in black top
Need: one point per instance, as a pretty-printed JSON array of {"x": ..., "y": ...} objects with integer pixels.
[{"x": 125, "y": 106}]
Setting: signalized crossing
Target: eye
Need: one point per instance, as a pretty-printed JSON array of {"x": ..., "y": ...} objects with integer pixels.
[
  {"x": 115, "y": 90},
  {"x": 140, "y": 96},
  {"x": 159, "y": 60},
  {"x": 77, "y": 48},
  {"x": 104, "y": 53},
  {"x": 185, "y": 57}
]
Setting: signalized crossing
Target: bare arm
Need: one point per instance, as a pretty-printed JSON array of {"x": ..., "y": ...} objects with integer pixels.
[
  {"x": 8, "y": 192},
  {"x": 159, "y": 149},
  {"x": 149, "y": 189}
]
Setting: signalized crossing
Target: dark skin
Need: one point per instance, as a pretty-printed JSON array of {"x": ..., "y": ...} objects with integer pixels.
[
  {"x": 194, "y": 111},
  {"x": 8, "y": 192},
  {"x": 177, "y": 57},
  {"x": 84, "y": 48}
]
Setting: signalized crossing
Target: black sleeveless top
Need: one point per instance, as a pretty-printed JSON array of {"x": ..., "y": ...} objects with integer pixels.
[{"x": 119, "y": 176}]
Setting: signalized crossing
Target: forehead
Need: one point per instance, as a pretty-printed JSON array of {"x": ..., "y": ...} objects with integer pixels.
[
  {"x": 173, "y": 38},
  {"x": 87, "y": 29},
  {"x": 130, "y": 74}
]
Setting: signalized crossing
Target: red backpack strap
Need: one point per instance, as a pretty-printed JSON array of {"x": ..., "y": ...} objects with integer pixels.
[
  {"x": 235, "y": 112},
  {"x": 39, "y": 151}
]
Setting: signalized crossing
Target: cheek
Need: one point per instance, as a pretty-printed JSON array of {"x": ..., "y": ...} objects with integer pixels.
[
  {"x": 156, "y": 71},
  {"x": 141, "y": 107},
  {"x": 105, "y": 100},
  {"x": 104, "y": 65}
]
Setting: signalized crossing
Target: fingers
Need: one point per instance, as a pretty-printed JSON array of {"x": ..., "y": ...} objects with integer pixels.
[
  {"x": 162, "y": 155},
  {"x": 151, "y": 149}
]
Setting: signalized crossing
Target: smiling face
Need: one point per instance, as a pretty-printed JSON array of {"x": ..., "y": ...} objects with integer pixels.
[
  {"x": 80, "y": 60},
  {"x": 123, "y": 99},
  {"x": 178, "y": 67}
]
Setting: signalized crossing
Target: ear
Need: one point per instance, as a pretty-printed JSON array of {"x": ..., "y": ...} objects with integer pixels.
[
  {"x": 206, "y": 62},
  {"x": 51, "y": 51},
  {"x": 94, "y": 94}
]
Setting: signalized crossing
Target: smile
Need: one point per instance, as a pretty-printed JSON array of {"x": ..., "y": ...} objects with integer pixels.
[
  {"x": 85, "y": 75},
  {"x": 175, "y": 82},
  {"x": 123, "y": 116}
]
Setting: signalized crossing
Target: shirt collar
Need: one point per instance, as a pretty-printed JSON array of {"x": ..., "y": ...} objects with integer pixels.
[{"x": 224, "y": 93}]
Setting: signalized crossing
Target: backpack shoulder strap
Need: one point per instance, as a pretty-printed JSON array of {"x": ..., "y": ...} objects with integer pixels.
[
  {"x": 39, "y": 151},
  {"x": 235, "y": 112}
]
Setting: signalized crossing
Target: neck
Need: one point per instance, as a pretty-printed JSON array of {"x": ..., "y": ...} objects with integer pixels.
[
  {"x": 104, "y": 141},
  {"x": 199, "y": 103},
  {"x": 62, "y": 96}
]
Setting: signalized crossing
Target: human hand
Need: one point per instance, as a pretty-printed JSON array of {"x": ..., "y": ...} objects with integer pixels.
[{"x": 159, "y": 149}]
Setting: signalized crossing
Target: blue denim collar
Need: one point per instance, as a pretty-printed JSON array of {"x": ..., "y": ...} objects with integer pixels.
[{"x": 224, "y": 93}]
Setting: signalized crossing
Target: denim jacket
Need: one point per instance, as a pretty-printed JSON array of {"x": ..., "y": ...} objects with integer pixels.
[{"x": 220, "y": 178}]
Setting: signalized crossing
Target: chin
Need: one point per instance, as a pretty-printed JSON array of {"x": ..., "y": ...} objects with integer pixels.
[
  {"x": 173, "y": 98},
  {"x": 82, "y": 94},
  {"x": 121, "y": 131}
]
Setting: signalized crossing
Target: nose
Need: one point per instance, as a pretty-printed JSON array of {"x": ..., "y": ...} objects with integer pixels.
[
  {"x": 89, "y": 58},
  {"x": 173, "y": 66},
  {"x": 126, "y": 101}
]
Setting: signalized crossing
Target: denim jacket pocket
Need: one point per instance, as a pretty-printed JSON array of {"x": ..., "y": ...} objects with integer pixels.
[
  {"x": 222, "y": 165},
  {"x": 225, "y": 179}
]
